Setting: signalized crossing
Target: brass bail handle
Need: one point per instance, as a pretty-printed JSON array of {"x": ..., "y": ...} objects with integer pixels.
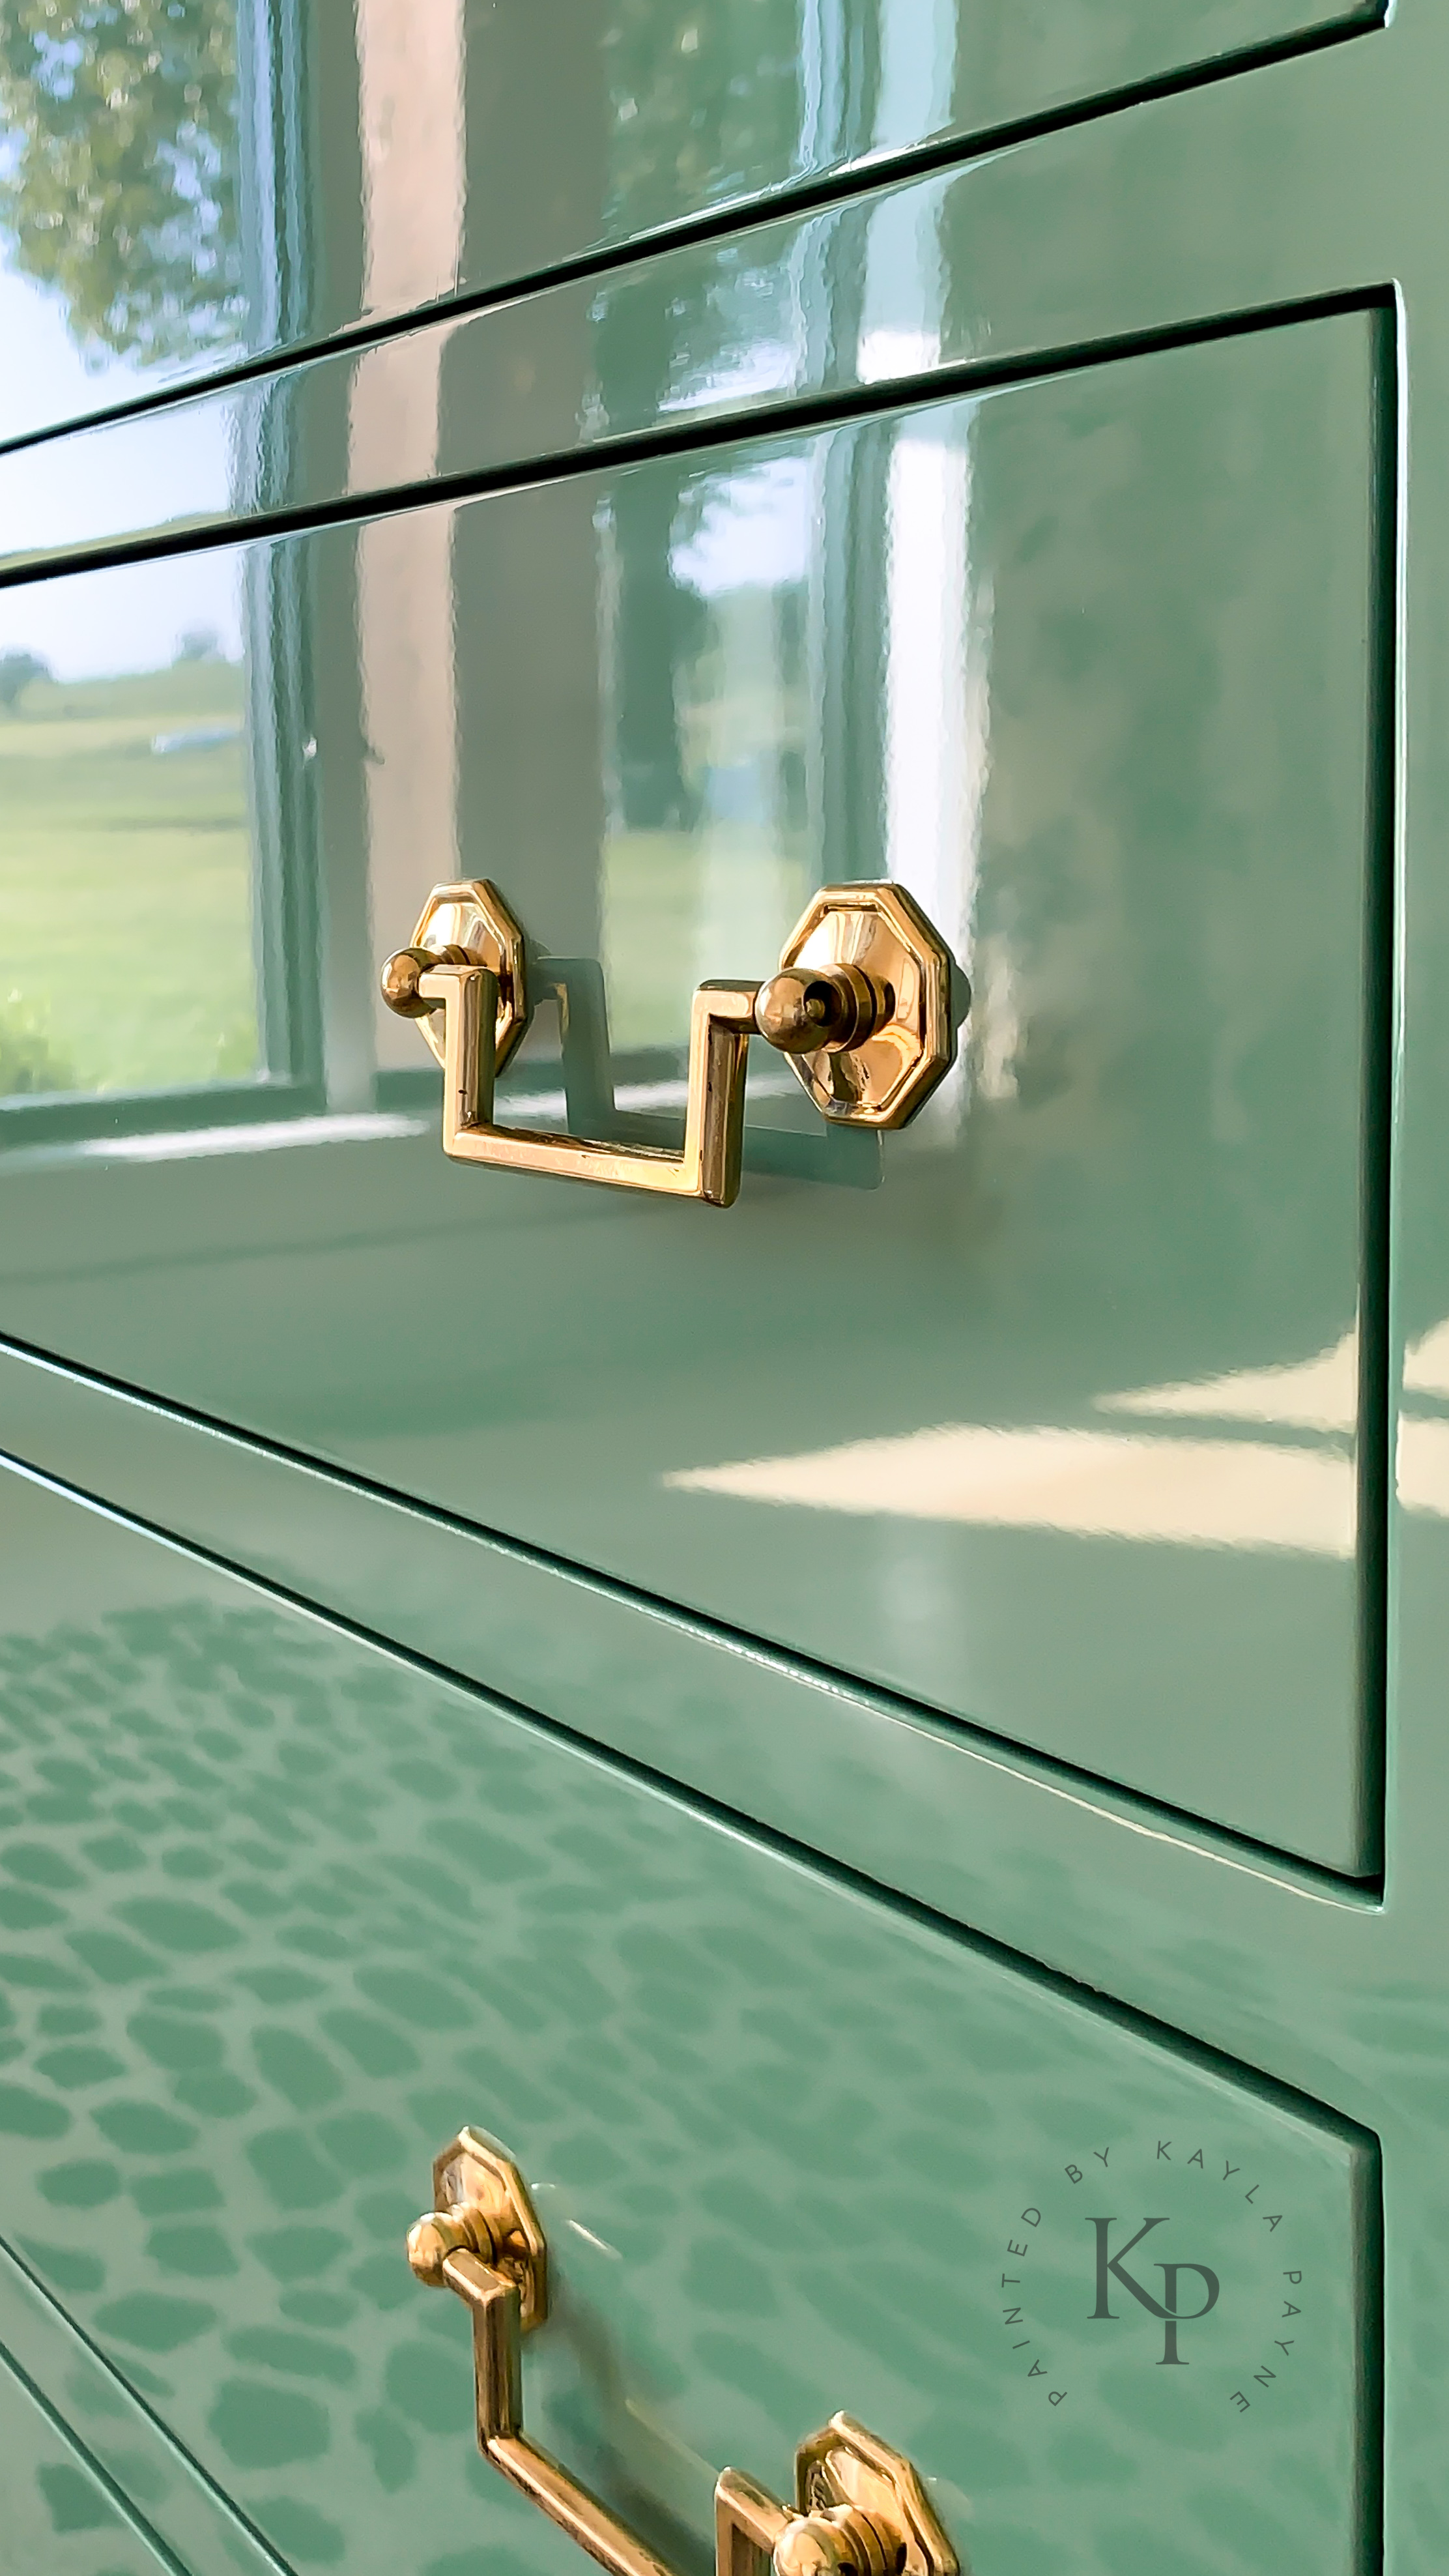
[
  {"x": 860, "y": 2508},
  {"x": 861, "y": 1009}
]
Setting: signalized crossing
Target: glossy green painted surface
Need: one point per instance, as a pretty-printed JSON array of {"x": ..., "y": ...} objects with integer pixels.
[
  {"x": 1071, "y": 1433},
  {"x": 280, "y": 1910},
  {"x": 258, "y": 176},
  {"x": 123, "y": 2444},
  {"x": 1266, "y": 1961},
  {"x": 1114, "y": 228},
  {"x": 1316, "y": 178},
  {"x": 55, "y": 2513}
]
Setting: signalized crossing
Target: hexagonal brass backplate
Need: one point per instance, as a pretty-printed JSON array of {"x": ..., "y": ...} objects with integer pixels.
[
  {"x": 844, "y": 2464},
  {"x": 474, "y": 2172},
  {"x": 880, "y": 929},
  {"x": 474, "y": 916}
]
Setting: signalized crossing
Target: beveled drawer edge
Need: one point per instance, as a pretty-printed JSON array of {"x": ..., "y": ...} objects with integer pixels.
[
  {"x": 835, "y": 184},
  {"x": 194, "y": 2529},
  {"x": 914, "y": 1804}
]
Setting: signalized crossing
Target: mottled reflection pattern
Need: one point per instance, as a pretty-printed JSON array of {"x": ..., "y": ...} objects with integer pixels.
[
  {"x": 280, "y": 1912},
  {"x": 463, "y": 146},
  {"x": 55, "y": 2514}
]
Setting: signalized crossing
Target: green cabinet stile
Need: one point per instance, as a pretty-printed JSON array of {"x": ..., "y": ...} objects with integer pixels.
[{"x": 884, "y": 1739}]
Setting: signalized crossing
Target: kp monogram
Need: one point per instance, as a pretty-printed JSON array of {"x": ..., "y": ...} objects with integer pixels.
[{"x": 1112, "y": 2267}]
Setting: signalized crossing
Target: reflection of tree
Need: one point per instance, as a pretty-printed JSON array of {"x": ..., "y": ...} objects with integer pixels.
[
  {"x": 17, "y": 670},
  {"x": 659, "y": 625},
  {"x": 705, "y": 102},
  {"x": 652, "y": 618},
  {"x": 701, "y": 103},
  {"x": 118, "y": 177}
]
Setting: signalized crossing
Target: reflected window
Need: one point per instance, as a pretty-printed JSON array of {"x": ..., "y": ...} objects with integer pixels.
[
  {"x": 131, "y": 887},
  {"x": 710, "y": 854}
]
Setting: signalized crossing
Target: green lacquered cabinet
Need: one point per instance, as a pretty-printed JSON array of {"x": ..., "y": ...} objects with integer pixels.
[
  {"x": 58, "y": 2511},
  {"x": 281, "y": 175},
  {"x": 885, "y": 1738},
  {"x": 278, "y": 1904},
  {"x": 1086, "y": 664}
]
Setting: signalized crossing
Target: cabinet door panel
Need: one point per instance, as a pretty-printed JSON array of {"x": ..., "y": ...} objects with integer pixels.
[
  {"x": 280, "y": 1912},
  {"x": 1051, "y": 1418},
  {"x": 482, "y": 145}
]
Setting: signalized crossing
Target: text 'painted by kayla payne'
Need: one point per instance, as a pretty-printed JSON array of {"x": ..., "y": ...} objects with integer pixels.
[{"x": 1189, "y": 2290}]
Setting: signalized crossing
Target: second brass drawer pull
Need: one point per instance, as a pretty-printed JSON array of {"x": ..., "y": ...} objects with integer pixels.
[
  {"x": 861, "y": 1006},
  {"x": 860, "y": 2509}
]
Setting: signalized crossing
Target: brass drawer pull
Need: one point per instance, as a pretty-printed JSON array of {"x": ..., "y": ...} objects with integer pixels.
[
  {"x": 860, "y": 2509},
  {"x": 861, "y": 1007}
]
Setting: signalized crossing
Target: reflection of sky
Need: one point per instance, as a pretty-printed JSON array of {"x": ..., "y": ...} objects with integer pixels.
[
  {"x": 91, "y": 624},
  {"x": 755, "y": 529},
  {"x": 124, "y": 621},
  {"x": 44, "y": 378}
]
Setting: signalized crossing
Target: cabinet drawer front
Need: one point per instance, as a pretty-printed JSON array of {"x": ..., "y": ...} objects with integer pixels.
[
  {"x": 280, "y": 1913},
  {"x": 1048, "y": 1416},
  {"x": 55, "y": 2511},
  {"x": 489, "y": 145}
]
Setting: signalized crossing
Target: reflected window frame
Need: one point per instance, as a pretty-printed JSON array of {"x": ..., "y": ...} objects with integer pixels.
[{"x": 278, "y": 747}]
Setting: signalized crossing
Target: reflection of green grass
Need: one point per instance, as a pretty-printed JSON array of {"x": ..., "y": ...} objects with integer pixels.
[
  {"x": 28, "y": 1061},
  {"x": 125, "y": 881},
  {"x": 682, "y": 907}
]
